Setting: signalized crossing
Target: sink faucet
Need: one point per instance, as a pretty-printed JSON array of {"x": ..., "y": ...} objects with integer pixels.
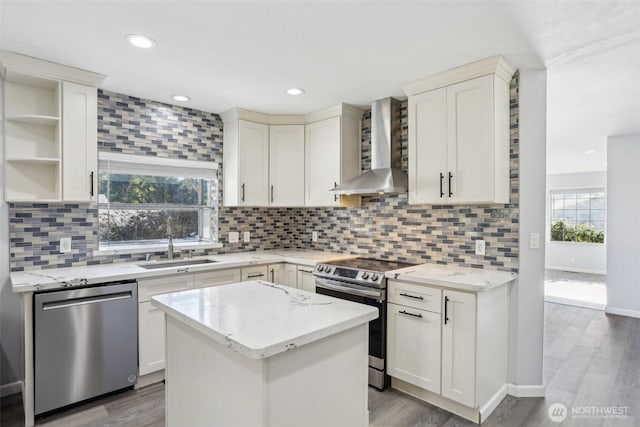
[{"x": 170, "y": 237}]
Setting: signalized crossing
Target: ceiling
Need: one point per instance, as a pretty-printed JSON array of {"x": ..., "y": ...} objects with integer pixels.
[{"x": 246, "y": 54}]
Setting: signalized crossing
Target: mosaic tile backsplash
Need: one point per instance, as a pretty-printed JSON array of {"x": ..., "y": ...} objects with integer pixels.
[{"x": 384, "y": 227}]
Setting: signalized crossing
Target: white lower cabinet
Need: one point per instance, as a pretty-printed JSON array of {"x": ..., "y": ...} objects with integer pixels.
[
  {"x": 449, "y": 347},
  {"x": 459, "y": 347},
  {"x": 151, "y": 341},
  {"x": 216, "y": 278},
  {"x": 414, "y": 346},
  {"x": 289, "y": 275},
  {"x": 306, "y": 280},
  {"x": 275, "y": 273}
]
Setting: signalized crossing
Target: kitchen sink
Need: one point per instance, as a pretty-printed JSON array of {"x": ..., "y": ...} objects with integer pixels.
[{"x": 181, "y": 263}]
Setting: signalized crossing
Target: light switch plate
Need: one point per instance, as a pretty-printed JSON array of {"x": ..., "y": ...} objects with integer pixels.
[
  {"x": 534, "y": 241},
  {"x": 247, "y": 236},
  {"x": 314, "y": 236},
  {"x": 480, "y": 247},
  {"x": 234, "y": 237},
  {"x": 65, "y": 244}
]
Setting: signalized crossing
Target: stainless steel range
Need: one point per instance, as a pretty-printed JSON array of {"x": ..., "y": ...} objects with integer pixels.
[{"x": 362, "y": 280}]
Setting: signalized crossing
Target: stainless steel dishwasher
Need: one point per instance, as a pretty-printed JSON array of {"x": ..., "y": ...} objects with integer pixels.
[{"x": 85, "y": 343}]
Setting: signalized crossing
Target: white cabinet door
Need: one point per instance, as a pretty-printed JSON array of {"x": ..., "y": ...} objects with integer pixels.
[
  {"x": 255, "y": 273},
  {"x": 306, "y": 280},
  {"x": 459, "y": 347},
  {"x": 151, "y": 351},
  {"x": 79, "y": 143},
  {"x": 428, "y": 147},
  {"x": 286, "y": 165},
  {"x": 470, "y": 140},
  {"x": 275, "y": 273},
  {"x": 253, "y": 163},
  {"x": 322, "y": 162},
  {"x": 216, "y": 278},
  {"x": 413, "y": 346},
  {"x": 290, "y": 275}
]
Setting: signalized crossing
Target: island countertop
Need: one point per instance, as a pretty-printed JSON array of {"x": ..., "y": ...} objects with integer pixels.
[{"x": 259, "y": 319}]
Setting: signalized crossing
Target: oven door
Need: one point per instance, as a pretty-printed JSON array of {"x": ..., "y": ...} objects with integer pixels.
[{"x": 372, "y": 297}]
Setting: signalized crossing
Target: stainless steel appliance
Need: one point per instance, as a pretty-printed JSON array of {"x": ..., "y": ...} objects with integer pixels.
[
  {"x": 85, "y": 343},
  {"x": 362, "y": 280}
]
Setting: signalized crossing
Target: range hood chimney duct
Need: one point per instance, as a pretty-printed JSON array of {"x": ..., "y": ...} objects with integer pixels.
[{"x": 386, "y": 175}]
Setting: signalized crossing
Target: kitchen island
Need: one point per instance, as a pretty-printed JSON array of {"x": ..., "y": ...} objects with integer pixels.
[{"x": 259, "y": 354}]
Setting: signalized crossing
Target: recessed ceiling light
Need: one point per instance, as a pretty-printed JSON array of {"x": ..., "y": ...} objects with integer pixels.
[
  {"x": 141, "y": 41},
  {"x": 180, "y": 98},
  {"x": 591, "y": 151},
  {"x": 295, "y": 91}
]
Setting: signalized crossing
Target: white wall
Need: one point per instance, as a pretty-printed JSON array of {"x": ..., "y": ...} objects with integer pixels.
[
  {"x": 527, "y": 296},
  {"x": 570, "y": 256},
  {"x": 10, "y": 311},
  {"x": 623, "y": 206}
]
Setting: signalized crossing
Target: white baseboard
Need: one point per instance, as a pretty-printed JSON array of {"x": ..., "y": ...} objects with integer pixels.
[
  {"x": 11, "y": 388},
  {"x": 493, "y": 403},
  {"x": 622, "y": 312},
  {"x": 525, "y": 390},
  {"x": 575, "y": 270}
]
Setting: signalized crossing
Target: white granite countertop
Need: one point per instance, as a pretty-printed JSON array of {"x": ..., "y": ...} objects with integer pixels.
[
  {"x": 38, "y": 280},
  {"x": 466, "y": 279},
  {"x": 259, "y": 319}
]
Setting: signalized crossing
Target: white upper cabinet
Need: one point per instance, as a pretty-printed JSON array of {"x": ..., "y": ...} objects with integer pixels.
[
  {"x": 50, "y": 130},
  {"x": 459, "y": 135},
  {"x": 290, "y": 160},
  {"x": 332, "y": 156},
  {"x": 80, "y": 149},
  {"x": 286, "y": 165}
]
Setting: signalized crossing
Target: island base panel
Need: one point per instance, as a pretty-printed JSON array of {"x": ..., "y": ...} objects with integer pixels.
[{"x": 318, "y": 384}]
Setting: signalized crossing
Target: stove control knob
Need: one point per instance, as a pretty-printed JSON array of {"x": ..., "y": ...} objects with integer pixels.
[
  {"x": 374, "y": 277},
  {"x": 321, "y": 268},
  {"x": 365, "y": 275}
]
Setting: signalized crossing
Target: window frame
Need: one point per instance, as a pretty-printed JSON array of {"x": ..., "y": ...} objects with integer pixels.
[
  {"x": 575, "y": 190},
  {"x": 131, "y": 164}
]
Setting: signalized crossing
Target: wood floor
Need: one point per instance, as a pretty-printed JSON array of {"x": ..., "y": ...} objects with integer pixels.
[{"x": 591, "y": 359}]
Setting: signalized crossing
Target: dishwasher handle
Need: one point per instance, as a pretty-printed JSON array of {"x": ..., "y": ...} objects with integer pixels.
[{"x": 72, "y": 302}]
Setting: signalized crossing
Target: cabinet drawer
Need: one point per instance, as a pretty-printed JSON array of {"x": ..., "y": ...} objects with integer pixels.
[
  {"x": 255, "y": 273},
  {"x": 216, "y": 278},
  {"x": 163, "y": 285},
  {"x": 417, "y": 296}
]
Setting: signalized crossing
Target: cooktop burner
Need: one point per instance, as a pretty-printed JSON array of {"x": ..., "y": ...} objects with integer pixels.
[{"x": 370, "y": 264}]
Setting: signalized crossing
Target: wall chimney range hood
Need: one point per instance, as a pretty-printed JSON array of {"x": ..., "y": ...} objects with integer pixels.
[{"x": 386, "y": 175}]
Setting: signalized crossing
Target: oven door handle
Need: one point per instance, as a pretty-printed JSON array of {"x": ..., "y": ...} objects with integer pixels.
[{"x": 334, "y": 286}]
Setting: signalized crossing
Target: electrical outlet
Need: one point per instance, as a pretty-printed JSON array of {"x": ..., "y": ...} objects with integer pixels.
[
  {"x": 65, "y": 244},
  {"x": 247, "y": 236},
  {"x": 480, "y": 247},
  {"x": 534, "y": 241},
  {"x": 314, "y": 236},
  {"x": 234, "y": 237}
]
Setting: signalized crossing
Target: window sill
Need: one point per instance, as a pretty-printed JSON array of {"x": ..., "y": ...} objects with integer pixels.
[
  {"x": 562, "y": 242},
  {"x": 156, "y": 247}
]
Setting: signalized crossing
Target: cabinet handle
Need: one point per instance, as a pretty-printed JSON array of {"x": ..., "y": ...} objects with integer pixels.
[
  {"x": 273, "y": 275},
  {"x": 335, "y": 196},
  {"x": 412, "y": 296},
  {"x": 410, "y": 314},
  {"x": 272, "y": 194},
  {"x": 252, "y": 276},
  {"x": 450, "y": 192},
  {"x": 182, "y": 270},
  {"x": 441, "y": 179},
  {"x": 242, "y": 198},
  {"x": 446, "y": 315},
  {"x": 305, "y": 271},
  {"x": 91, "y": 186}
]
